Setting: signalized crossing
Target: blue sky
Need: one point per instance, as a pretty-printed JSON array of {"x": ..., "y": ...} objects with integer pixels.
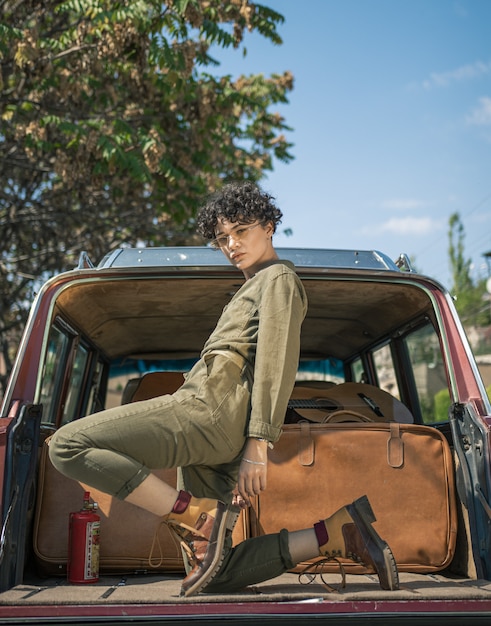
[{"x": 391, "y": 117}]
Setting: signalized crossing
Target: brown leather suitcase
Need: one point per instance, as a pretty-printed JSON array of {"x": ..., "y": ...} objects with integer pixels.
[
  {"x": 127, "y": 532},
  {"x": 405, "y": 470}
]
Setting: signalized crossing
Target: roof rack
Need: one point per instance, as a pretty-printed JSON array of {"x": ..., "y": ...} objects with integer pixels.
[{"x": 206, "y": 256}]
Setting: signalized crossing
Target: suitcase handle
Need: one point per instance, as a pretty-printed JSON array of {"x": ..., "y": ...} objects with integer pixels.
[
  {"x": 395, "y": 447},
  {"x": 306, "y": 451}
]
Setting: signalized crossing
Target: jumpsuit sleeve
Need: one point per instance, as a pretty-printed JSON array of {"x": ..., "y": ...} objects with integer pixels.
[{"x": 281, "y": 314}]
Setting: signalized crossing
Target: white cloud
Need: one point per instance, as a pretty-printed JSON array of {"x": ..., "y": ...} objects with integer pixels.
[
  {"x": 465, "y": 72},
  {"x": 409, "y": 226},
  {"x": 481, "y": 114},
  {"x": 405, "y": 226}
]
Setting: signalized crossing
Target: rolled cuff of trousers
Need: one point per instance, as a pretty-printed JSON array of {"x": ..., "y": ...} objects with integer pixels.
[{"x": 253, "y": 561}]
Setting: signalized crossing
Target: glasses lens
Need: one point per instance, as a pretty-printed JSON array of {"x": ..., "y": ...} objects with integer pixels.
[
  {"x": 220, "y": 242},
  {"x": 237, "y": 235}
]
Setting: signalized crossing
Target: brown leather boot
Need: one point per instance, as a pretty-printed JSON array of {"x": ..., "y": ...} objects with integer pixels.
[
  {"x": 202, "y": 528},
  {"x": 349, "y": 534}
]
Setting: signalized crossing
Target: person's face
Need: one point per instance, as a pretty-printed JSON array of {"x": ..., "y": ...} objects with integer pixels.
[{"x": 247, "y": 246}]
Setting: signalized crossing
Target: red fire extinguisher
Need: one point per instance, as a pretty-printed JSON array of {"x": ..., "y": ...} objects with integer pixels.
[{"x": 83, "y": 543}]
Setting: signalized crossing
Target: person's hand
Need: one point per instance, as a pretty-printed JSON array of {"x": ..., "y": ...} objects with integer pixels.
[
  {"x": 253, "y": 470},
  {"x": 238, "y": 500}
]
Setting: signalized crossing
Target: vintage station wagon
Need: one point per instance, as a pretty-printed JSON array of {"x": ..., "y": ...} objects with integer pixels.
[{"x": 388, "y": 401}]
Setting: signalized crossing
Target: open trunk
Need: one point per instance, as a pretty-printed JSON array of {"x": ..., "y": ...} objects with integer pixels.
[{"x": 94, "y": 336}]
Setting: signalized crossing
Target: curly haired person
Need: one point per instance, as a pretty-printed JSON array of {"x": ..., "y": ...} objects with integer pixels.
[{"x": 217, "y": 427}]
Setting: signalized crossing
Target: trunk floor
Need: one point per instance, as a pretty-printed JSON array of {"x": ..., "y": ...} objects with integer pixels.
[{"x": 151, "y": 589}]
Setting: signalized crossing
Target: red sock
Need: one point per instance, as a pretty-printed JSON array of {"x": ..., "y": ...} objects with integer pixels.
[
  {"x": 321, "y": 533},
  {"x": 181, "y": 504}
]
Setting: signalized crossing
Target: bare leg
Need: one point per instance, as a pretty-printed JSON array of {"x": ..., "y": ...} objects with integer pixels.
[
  {"x": 303, "y": 545},
  {"x": 154, "y": 496}
]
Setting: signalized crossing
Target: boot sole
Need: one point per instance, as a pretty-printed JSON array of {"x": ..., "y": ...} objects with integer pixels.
[
  {"x": 227, "y": 524},
  {"x": 362, "y": 513}
]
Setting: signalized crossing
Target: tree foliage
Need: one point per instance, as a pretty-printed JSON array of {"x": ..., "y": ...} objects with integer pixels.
[
  {"x": 469, "y": 296},
  {"x": 115, "y": 123}
]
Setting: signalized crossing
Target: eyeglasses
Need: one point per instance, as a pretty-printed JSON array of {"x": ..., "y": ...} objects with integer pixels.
[{"x": 237, "y": 234}]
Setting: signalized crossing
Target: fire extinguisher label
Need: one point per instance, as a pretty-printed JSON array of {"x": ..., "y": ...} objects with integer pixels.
[{"x": 92, "y": 545}]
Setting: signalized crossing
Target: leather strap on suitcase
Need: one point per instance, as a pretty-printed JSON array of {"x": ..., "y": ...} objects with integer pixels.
[{"x": 405, "y": 470}]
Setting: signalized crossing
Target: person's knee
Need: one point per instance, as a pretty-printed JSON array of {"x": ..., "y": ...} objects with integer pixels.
[{"x": 62, "y": 450}]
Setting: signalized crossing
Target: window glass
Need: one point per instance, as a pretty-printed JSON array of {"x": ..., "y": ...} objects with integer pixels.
[
  {"x": 386, "y": 374},
  {"x": 54, "y": 367},
  {"x": 358, "y": 371},
  {"x": 93, "y": 401},
  {"x": 75, "y": 387},
  {"x": 330, "y": 370},
  {"x": 429, "y": 374}
]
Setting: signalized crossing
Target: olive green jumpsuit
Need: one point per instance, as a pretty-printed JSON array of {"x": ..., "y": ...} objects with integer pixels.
[{"x": 239, "y": 388}]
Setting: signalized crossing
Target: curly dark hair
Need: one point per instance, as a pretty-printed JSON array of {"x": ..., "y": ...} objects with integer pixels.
[{"x": 242, "y": 202}]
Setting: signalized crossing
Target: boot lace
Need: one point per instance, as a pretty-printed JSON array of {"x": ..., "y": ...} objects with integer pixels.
[
  {"x": 313, "y": 570},
  {"x": 187, "y": 535}
]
